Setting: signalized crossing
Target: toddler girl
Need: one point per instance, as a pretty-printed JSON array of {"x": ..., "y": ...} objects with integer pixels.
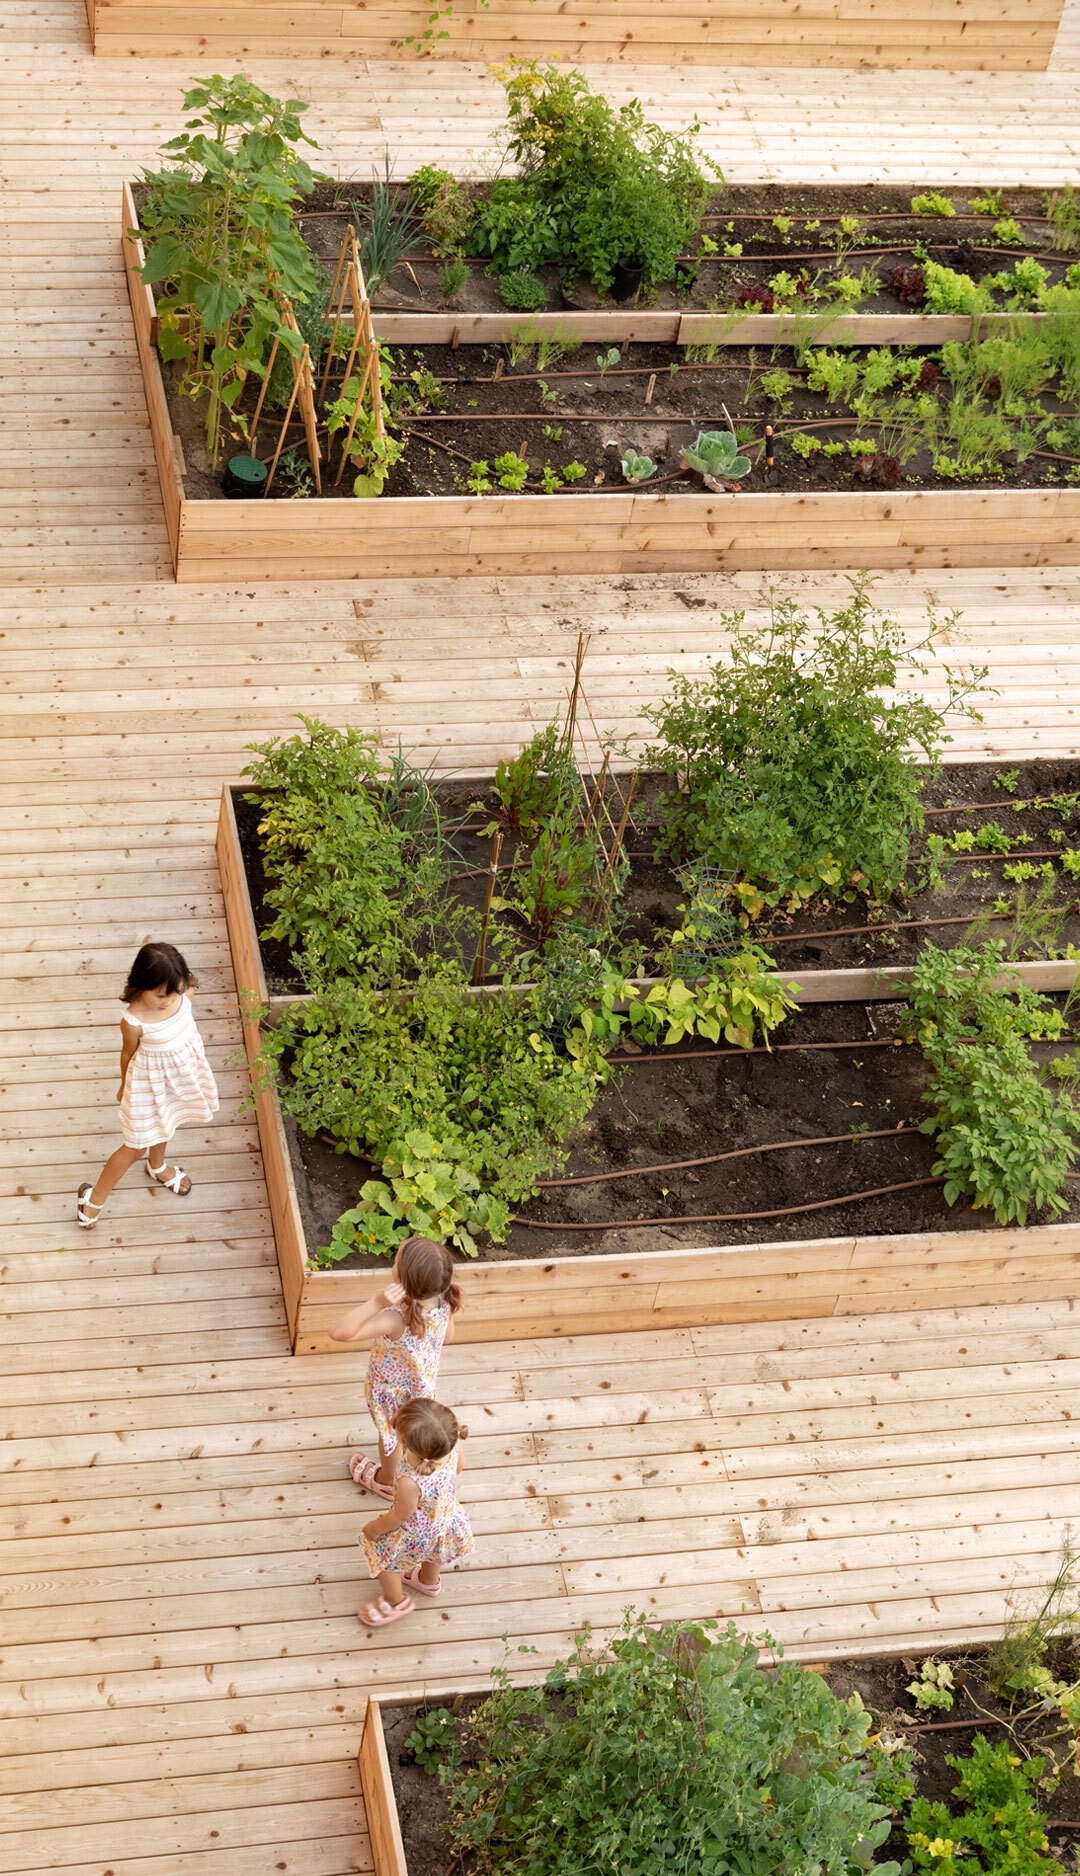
[
  {"x": 165, "y": 1078},
  {"x": 425, "y": 1526},
  {"x": 408, "y": 1322}
]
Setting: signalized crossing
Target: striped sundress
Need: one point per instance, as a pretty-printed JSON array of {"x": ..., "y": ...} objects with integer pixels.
[{"x": 169, "y": 1082}]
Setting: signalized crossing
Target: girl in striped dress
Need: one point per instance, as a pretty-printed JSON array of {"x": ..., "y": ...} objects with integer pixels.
[
  {"x": 425, "y": 1527},
  {"x": 165, "y": 1078}
]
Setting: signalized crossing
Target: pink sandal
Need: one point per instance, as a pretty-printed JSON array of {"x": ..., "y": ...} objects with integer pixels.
[
  {"x": 379, "y": 1614},
  {"x": 362, "y": 1472},
  {"x": 426, "y": 1589}
]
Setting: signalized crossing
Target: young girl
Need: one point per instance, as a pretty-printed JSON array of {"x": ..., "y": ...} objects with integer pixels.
[
  {"x": 425, "y": 1526},
  {"x": 408, "y": 1322},
  {"x": 165, "y": 1078}
]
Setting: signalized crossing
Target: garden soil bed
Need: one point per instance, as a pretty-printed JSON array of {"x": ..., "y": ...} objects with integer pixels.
[
  {"x": 651, "y": 898},
  {"x": 590, "y": 419},
  {"x": 887, "y": 239},
  {"x": 660, "y": 1110},
  {"x": 881, "y": 1684}
]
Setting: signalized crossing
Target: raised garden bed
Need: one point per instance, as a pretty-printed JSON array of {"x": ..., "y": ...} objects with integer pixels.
[
  {"x": 814, "y": 516},
  {"x": 408, "y": 1811},
  {"x": 628, "y": 1274},
  {"x": 992, "y": 35}
]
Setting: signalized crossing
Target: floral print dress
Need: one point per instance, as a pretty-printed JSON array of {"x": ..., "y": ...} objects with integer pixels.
[
  {"x": 438, "y": 1531},
  {"x": 404, "y": 1367}
]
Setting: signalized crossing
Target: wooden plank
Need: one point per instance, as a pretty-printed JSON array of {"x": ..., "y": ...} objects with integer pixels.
[
  {"x": 251, "y": 988},
  {"x": 384, "y": 1829},
  {"x": 142, "y": 308}
]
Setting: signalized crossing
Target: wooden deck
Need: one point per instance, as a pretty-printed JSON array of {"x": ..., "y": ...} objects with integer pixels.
[{"x": 183, "y": 1673}]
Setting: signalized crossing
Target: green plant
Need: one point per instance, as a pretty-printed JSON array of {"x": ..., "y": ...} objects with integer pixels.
[
  {"x": 1008, "y": 233},
  {"x": 373, "y": 453},
  {"x": 531, "y": 785},
  {"x": 789, "y": 761},
  {"x": 295, "y": 472},
  {"x": 552, "y": 432},
  {"x": 949, "y": 292},
  {"x": 804, "y": 445},
  {"x": 512, "y": 470},
  {"x": 932, "y": 1692},
  {"x": 1070, "y": 860},
  {"x": 478, "y": 480},
  {"x": 636, "y": 468},
  {"x": 1005, "y": 1140},
  {"x": 861, "y": 446},
  {"x": 453, "y": 276},
  {"x": 1016, "y": 1666},
  {"x": 522, "y": 290},
  {"x": 387, "y": 227},
  {"x": 445, "y": 206},
  {"x": 428, "y": 1190},
  {"x": 835, "y": 373},
  {"x": 605, "y": 360},
  {"x": 356, "y": 875},
  {"x": 990, "y": 203},
  {"x": 738, "y": 997},
  {"x": 550, "y": 480},
  {"x": 561, "y": 877},
  {"x": 574, "y": 472},
  {"x": 833, "y": 449},
  {"x": 548, "y": 394},
  {"x": 998, "y": 1826},
  {"x": 1008, "y": 780},
  {"x": 1063, "y": 208},
  {"x": 433, "y": 1740},
  {"x": 715, "y": 457},
  {"x": 933, "y": 203},
  {"x": 778, "y": 387},
  {"x": 594, "y": 183},
  {"x": 221, "y": 230},
  {"x": 666, "y": 1749},
  {"x": 462, "y": 1101}
]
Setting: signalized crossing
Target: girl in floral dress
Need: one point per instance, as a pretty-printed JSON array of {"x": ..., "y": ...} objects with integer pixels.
[
  {"x": 408, "y": 1322},
  {"x": 425, "y": 1527}
]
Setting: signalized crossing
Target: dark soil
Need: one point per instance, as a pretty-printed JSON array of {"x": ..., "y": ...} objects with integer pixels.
[
  {"x": 658, "y": 1110},
  {"x": 574, "y": 414},
  {"x": 650, "y": 901},
  {"x": 882, "y": 1685},
  {"x": 963, "y": 242}
]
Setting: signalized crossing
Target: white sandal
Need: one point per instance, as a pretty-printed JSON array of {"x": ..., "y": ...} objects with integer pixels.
[
  {"x": 171, "y": 1185},
  {"x": 82, "y": 1200}
]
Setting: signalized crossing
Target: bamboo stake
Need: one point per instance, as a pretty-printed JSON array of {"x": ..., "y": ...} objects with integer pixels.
[
  {"x": 338, "y": 310},
  {"x": 603, "y": 898},
  {"x": 571, "y": 714},
  {"x": 480, "y": 965},
  {"x": 262, "y": 396}
]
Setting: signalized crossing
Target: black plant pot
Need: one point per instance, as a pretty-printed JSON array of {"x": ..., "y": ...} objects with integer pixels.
[
  {"x": 245, "y": 476},
  {"x": 629, "y": 275}
]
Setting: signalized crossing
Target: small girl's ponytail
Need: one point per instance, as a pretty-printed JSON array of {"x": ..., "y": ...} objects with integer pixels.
[
  {"x": 429, "y": 1430},
  {"x": 425, "y": 1269}
]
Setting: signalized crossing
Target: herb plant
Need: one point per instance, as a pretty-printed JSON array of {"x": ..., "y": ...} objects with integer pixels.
[
  {"x": 790, "y": 761},
  {"x": 1005, "y": 1139},
  {"x": 594, "y": 183},
  {"x": 998, "y": 1825},
  {"x": 667, "y": 1749},
  {"x": 715, "y": 457}
]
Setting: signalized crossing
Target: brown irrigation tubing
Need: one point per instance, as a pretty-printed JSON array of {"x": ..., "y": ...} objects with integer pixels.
[
  {"x": 778, "y": 1048},
  {"x": 738, "y": 1152},
  {"x": 725, "y": 1218},
  {"x": 853, "y": 931}
]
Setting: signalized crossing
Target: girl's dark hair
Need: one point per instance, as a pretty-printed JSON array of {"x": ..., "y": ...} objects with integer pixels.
[
  {"x": 425, "y": 1269},
  {"x": 429, "y": 1430},
  {"x": 157, "y": 967}
]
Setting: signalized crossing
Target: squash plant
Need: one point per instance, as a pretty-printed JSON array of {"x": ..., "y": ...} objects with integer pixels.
[{"x": 222, "y": 235}]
